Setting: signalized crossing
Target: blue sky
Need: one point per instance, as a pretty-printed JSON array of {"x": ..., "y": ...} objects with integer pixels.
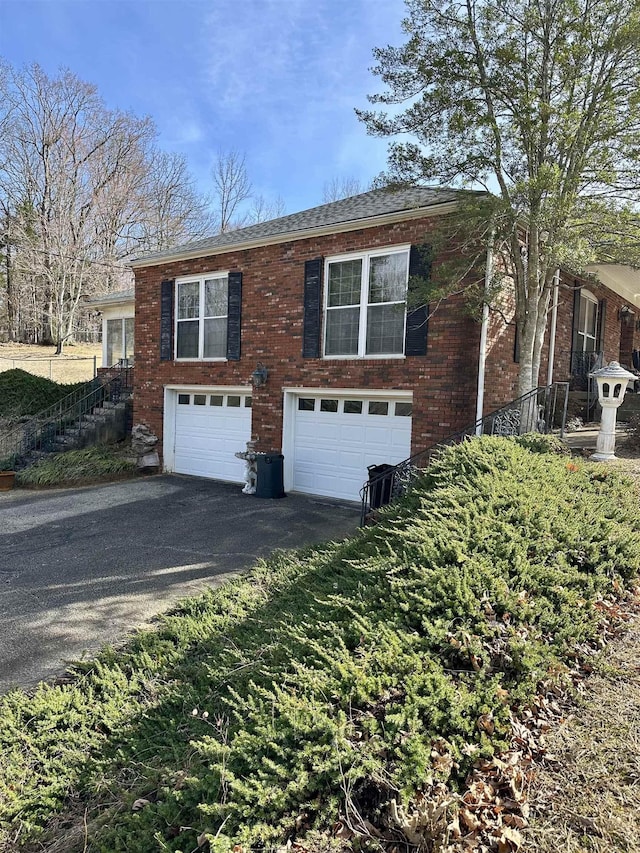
[{"x": 277, "y": 79}]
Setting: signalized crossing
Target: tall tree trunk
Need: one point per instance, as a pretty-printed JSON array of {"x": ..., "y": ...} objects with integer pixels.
[
  {"x": 526, "y": 334},
  {"x": 11, "y": 299}
]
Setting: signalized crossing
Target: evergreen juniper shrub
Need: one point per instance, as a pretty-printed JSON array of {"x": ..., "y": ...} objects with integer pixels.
[{"x": 362, "y": 669}]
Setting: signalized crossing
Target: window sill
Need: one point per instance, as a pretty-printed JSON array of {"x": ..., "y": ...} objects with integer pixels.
[
  {"x": 200, "y": 360},
  {"x": 381, "y": 357}
]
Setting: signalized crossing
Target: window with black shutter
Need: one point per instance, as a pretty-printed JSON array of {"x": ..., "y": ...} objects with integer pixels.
[
  {"x": 312, "y": 300},
  {"x": 602, "y": 320},
  {"x": 202, "y": 315},
  {"x": 365, "y": 306},
  {"x": 234, "y": 316},
  {"x": 166, "y": 320},
  {"x": 417, "y": 318}
]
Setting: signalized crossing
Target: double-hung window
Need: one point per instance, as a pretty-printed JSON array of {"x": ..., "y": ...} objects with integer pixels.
[
  {"x": 365, "y": 303},
  {"x": 120, "y": 333},
  {"x": 587, "y": 322},
  {"x": 201, "y": 316}
]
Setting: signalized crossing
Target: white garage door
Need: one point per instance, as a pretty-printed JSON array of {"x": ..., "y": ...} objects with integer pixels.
[
  {"x": 336, "y": 438},
  {"x": 210, "y": 427}
]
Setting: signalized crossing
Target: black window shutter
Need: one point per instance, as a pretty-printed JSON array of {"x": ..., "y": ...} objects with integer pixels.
[
  {"x": 415, "y": 341},
  {"x": 234, "y": 309},
  {"x": 166, "y": 320},
  {"x": 602, "y": 321},
  {"x": 312, "y": 296},
  {"x": 576, "y": 320},
  {"x": 516, "y": 345}
]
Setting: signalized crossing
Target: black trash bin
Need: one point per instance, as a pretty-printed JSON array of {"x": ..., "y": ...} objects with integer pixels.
[
  {"x": 269, "y": 482},
  {"x": 379, "y": 485}
]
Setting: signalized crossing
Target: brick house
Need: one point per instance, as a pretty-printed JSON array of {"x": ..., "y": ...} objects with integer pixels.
[{"x": 317, "y": 299}]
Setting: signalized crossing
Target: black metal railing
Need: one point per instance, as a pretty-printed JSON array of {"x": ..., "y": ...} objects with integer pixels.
[
  {"x": 541, "y": 410},
  {"x": 120, "y": 377},
  {"x": 68, "y": 416},
  {"x": 582, "y": 364}
]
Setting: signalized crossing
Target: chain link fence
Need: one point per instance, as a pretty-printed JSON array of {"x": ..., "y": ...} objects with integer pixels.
[{"x": 62, "y": 368}]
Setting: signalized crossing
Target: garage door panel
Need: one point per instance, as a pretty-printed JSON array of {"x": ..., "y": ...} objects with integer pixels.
[
  {"x": 207, "y": 437},
  {"x": 352, "y": 434},
  {"x": 332, "y": 450}
]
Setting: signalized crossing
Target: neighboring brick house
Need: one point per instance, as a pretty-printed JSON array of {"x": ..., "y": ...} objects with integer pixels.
[{"x": 318, "y": 299}]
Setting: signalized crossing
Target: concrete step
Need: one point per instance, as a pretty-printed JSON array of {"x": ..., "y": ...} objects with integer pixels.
[
  {"x": 64, "y": 442},
  {"x": 97, "y": 417}
]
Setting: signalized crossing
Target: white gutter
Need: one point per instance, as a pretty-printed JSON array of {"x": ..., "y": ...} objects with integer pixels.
[
  {"x": 483, "y": 336},
  {"x": 123, "y": 297},
  {"x": 554, "y": 323}
]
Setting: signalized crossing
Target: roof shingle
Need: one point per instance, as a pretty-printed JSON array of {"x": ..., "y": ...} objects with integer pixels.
[{"x": 358, "y": 207}]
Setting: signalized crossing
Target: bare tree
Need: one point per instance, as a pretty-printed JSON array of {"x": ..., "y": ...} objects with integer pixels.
[
  {"x": 231, "y": 187},
  {"x": 66, "y": 153},
  {"x": 173, "y": 210},
  {"x": 81, "y": 187},
  {"x": 262, "y": 209},
  {"x": 338, "y": 188}
]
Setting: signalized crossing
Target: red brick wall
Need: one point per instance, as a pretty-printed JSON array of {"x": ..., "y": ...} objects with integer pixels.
[
  {"x": 612, "y": 329},
  {"x": 443, "y": 381},
  {"x": 502, "y": 370}
]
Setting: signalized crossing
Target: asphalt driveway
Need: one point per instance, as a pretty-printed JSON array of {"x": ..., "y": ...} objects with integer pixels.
[{"x": 81, "y": 567}]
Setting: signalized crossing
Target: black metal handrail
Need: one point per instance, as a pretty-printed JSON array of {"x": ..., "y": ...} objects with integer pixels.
[
  {"x": 537, "y": 411},
  {"x": 41, "y": 431},
  {"x": 120, "y": 376}
]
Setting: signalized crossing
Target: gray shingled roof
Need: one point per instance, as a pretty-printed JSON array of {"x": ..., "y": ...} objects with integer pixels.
[{"x": 364, "y": 206}]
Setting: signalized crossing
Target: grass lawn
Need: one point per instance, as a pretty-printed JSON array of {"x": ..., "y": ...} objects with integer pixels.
[
  {"x": 362, "y": 695},
  {"x": 75, "y": 364},
  {"x": 588, "y": 796}
]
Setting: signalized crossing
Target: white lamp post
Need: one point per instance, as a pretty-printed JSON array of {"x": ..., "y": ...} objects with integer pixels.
[{"x": 612, "y": 384}]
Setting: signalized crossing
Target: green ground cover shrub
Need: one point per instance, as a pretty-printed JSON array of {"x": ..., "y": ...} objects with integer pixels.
[
  {"x": 22, "y": 393},
  {"x": 74, "y": 467},
  {"x": 254, "y": 711}
]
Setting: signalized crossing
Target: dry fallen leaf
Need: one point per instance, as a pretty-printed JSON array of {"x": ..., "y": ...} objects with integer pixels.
[
  {"x": 509, "y": 840},
  {"x": 470, "y": 820},
  {"x": 485, "y": 723}
]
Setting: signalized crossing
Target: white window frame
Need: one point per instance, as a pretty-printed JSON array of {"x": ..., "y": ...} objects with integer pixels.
[
  {"x": 123, "y": 333},
  {"x": 365, "y": 257},
  {"x": 200, "y": 279},
  {"x": 581, "y": 332}
]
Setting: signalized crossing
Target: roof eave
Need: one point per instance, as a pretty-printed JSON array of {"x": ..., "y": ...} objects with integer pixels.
[
  {"x": 109, "y": 300},
  {"x": 290, "y": 236},
  {"x": 621, "y": 279}
]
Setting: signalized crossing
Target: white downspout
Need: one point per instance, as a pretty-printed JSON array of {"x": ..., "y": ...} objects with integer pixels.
[
  {"x": 483, "y": 336},
  {"x": 554, "y": 323}
]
